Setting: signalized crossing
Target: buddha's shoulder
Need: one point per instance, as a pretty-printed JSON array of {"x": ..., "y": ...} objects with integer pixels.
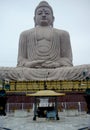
[
  {"x": 32, "y": 30},
  {"x": 26, "y": 32},
  {"x": 61, "y": 32}
]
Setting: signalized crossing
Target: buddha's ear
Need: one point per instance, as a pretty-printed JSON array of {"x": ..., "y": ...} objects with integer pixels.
[
  {"x": 34, "y": 20},
  {"x": 53, "y": 18},
  {"x": 53, "y": 21}
]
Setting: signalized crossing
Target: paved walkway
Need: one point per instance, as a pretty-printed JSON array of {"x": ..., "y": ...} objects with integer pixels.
[{"x": 19, "y": 122}]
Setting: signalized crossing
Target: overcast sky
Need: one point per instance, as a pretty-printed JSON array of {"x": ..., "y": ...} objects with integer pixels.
[{"x": 71, "y": 15}]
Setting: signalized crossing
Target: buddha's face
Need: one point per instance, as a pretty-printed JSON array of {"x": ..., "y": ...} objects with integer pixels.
[{"x": 44, "y": 17}]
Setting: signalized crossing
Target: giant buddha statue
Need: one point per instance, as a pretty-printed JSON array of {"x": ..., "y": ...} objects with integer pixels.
[
  {"x": 44, "y": 46},
  {"x": 44, "y": 52}
]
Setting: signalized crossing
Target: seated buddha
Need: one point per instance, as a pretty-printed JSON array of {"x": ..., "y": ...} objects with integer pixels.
[
  {"x": 44, "y": 46},
  {"x": 44, "y": 52}
]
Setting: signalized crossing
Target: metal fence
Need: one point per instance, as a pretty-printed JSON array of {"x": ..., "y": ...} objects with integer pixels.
[{"x": 80, "y": 106}]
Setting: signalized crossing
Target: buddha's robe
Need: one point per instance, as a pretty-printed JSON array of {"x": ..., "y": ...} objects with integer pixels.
[
  {"x": 44, "y": 47},
  {"x": 49, "y": 56}
]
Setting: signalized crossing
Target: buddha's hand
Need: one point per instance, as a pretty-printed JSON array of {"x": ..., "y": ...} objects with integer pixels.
[
  {"x": 50, "y": 64},
  {"x": 34, "y": 64},
  {"x": 56, "y": 64}
]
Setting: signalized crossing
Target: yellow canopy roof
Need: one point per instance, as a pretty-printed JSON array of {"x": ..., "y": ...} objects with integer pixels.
[{"x": 46, "y": 93}]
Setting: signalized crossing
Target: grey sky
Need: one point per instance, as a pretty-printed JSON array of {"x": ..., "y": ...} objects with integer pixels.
[{"x": 71, "y": 15}]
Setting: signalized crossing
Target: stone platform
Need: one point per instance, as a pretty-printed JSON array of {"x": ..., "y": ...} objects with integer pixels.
[{"x": 79, "y": 122}]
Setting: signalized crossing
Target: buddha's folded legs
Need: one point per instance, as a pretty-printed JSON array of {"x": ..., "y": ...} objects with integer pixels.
[{"x": 27, "y": 74}]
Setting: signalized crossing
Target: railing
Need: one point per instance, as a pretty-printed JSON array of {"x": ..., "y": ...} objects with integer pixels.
[
  {"x": 19, "y": 106},
  {"x": 80, "y": 106}
]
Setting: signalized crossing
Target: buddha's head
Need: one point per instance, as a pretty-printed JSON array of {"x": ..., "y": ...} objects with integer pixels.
[{"x": 43, "y": 14}]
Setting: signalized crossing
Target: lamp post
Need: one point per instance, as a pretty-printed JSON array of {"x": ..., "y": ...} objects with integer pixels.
[{"x": 3, "y": 100}]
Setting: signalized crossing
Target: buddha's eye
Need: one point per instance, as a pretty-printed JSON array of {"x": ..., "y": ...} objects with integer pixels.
[
  {"x": 47, "y": 12},
  {"x": 39, "y": 12}
]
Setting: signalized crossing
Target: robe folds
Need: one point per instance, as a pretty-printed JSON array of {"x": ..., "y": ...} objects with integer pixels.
[{"x": 58, "y": 50}]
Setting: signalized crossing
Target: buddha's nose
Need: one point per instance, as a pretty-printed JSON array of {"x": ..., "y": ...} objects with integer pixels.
[{"x": 43, "y": 14}]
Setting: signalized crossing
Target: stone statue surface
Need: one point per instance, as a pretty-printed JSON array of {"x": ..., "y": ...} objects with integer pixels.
[
  {"x": 44, "y": 46},
  {"x": 44, "y": 52}
]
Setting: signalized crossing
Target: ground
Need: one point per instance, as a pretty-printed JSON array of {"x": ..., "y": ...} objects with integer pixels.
[{"x": 25, "y": 122}]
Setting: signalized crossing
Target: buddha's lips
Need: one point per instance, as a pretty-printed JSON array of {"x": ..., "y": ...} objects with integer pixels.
[{"x": 44, "y": 20}]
